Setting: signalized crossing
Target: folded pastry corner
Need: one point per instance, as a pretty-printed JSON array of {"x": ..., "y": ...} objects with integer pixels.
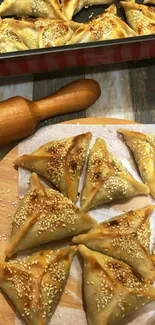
[
  {"x": 60, "y": 162},
  {"x": 106, "y": 26},
  {"x": 143, "y": 148},
  {"x": 125, "y": 237},
  {"x": 140, "y": 18},
  {"x": 10, "y": 41},
  {"x": 112, "y": 289},
  {"x": 72, "y": 7},
  {"x": 107, "y": 179},
  {"x": 35, "y": 284},
  {"x": 33, "y": 8},
  {"x": 56, "y": 34},
  {"x": 45, "y": 215}
]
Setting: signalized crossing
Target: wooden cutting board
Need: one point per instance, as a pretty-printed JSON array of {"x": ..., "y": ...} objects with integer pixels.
[{"x": 8, "y": 204}]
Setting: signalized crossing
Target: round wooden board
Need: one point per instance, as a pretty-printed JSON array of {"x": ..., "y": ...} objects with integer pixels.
[{"x": 8, "y": 205}]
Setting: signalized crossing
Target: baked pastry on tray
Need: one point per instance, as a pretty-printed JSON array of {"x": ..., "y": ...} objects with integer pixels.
[
  {"x": 43, "y": 22},
  {"x": 10, "y": 41},
  {"x": 41, "y": 33},
  {"x": 107, "y": 26},
  {"x": 45, "y": 215},
  {"x": 141, "y": 18},
  {"x": 72, "y": 7},
  {"x": 125, "y": 237},
  {"x": 35, "y": 284},
  {"x": 107, "y": 179},
  {"x": 34, "y": 8},
  {"x": 60, "y": 162},
  {"x": 112, "y": 289},
  {"x": 143, "y": 148}
]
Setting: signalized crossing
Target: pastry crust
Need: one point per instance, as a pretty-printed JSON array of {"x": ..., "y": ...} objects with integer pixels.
[
  {"x": 26, "y": 31},
  {"x": 112, "y": 289},
  {"x": 34, "y": 8},
  {"x": 57, "y": 34},
  {"x": 107, "y": 179},
  {"x": 105, "y": 27},
  {"x": 44, "y": 22},
  {"x": 42, "y": 32},
  {"x": 143, "y": 148},
  {"x": 125, "y": 237},
  {"x": 140, "y": 17},
  {"x": 10, "y": 41},
  {"x": 45, "y": 215},
  {"x": 60, "y": 162},
  {"x": 72, "y": 7},
  {"x": 35, "y": 284}
]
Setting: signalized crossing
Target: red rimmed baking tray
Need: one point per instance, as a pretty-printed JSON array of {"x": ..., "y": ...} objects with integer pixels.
[{"x": 79, "y": 55}]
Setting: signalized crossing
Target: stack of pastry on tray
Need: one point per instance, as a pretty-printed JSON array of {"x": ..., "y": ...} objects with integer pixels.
[
  {"x": 32, "y": 24},
  {"x": 118, "y": 269}
]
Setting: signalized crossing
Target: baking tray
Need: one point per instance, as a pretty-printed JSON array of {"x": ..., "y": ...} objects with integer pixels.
[{"x": 78, "y": 55}]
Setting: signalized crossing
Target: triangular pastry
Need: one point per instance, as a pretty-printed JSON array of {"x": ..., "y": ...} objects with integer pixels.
[
  {"x": 57, "y": 34},
  {"x": 107, "y": 179},
  {"x": 35, "y": 284},
  {"x": 112, "y": 289},
  {"x": 140, "y": 17},
  {"x": 125, "y": 237},
  {"x": 34, "y": 8},
  {"x": 40, "y": 33},
  {"x": 45, "y": 215},
  {"x": 60, "y": 162},
  {"x": 143, "y": 148},
  {"x": 105, "y": 27},
  {"x": 72, "y": 7},
  {"x": 26, "y": 31},
  {"x": 10, "y": 41}
]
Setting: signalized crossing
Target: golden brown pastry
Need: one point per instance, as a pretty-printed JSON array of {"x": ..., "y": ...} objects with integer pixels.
[
  {"x": 143, "y": 148},
  {"x": 60, "y": 162},
  {"x": 43, "y": 22},
  {"x": 125, "y": 237},
  {"x": 140, "y": 17},
  {"x": 35, "y": 284},
  {"x": 26, "y": 31},
  {"x": 72, "y": 7},
  {"x": 112, "y": 289},
  {"x": 45, "y": 215},
  {"x": 107, "y": 179},
  {"x": 10, "y": 41},
  {"x": 41, "y": 33},
  {"x": 56, "y": 34},
  {"x": 107, "y": 26},
  {"x": 34, "y": 8}
]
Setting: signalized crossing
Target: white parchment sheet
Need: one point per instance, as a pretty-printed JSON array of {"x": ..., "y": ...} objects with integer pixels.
[{"x": 70, "y": 316}]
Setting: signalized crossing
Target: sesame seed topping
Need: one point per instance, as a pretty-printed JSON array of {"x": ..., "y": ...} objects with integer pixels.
[
  {"x": 64, "y": 153},
  {"x": 105, "y": 294},
  {"x": 51, "y": 34},
  {"x": 53, "y": 210},
  {"x": 124, "y": 274},
  {"x": 129, "y": 245}
]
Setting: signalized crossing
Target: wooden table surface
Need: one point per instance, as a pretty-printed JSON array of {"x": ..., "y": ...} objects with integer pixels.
[{"x": 128, "y": 91}]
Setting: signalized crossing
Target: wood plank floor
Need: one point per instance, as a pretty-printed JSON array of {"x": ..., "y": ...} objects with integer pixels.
[{"x": 128, "y": 90}]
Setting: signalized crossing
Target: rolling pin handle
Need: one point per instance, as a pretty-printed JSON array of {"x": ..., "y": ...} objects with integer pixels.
[{"x": 74, "y": 97}]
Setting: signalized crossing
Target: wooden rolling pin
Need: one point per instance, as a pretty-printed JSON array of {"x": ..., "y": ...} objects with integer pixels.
[{"x": 19, "y": 116}]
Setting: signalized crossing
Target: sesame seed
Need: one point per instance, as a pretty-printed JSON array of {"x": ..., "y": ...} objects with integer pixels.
[{"x": 62, "y": 153}]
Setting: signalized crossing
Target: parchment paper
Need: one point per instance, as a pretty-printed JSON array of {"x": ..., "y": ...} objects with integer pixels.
[{"x": 69, "y": 316}]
